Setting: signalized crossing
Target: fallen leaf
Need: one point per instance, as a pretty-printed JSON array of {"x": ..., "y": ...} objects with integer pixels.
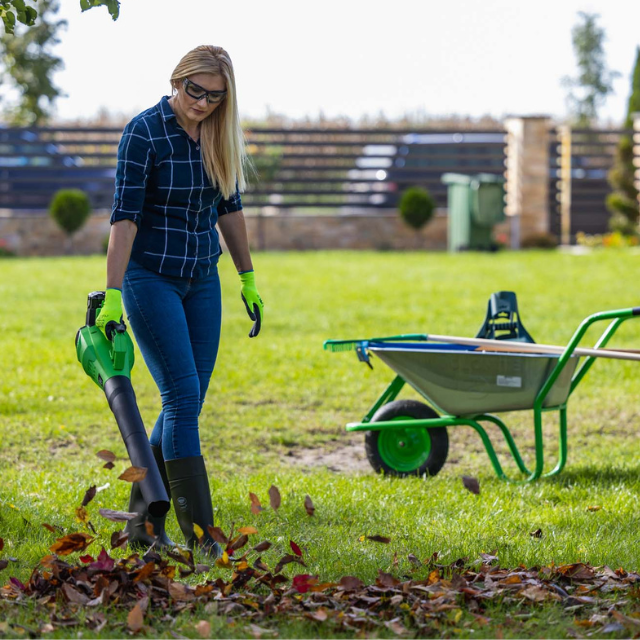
[
  {"x": 471, "y": 484},
  {"x": 536, "y": 534},
  {"x": 247, "y": 530},
  {"x": 45, "y": 525},
  {"x": 3, "y": 564},
  {"x": 274, "y": 497},
  {"x": 238, "y": 543},
  {"x": 256, "y": 507},
  {"x": 396, "y": 627},
  {"x": 87, "y": 559},
  {"x": 308, "y": 505},
  {"x": 106, "y": 455},
  {"x": 197, "y": 529},
  {"x": 351, "y": 583},
  {"x": 82, "y": 515},
  {"x": 263, "y": 546},
  {"x": 414, "y": 560},
  {"x": 70, "y": 543},
  {"x": 382, "y": 539},
  {"x": 258, "y": 632},
  {"x": 204, "y": 629},
  {"x": 295, "y": 548},
  {"x": 108, "y": 465},
  {"x": 224, "y": 561},
  {"x": 117, "y": 516},
  {"x": 133, "y": 474},
  {"x": 217, "y": 534},
  {"x": 135, "y": 619},
  {"x": 89, "y": 495},
  {"x": 73, "y": 595},
  {"x": 594, "y": 508}
]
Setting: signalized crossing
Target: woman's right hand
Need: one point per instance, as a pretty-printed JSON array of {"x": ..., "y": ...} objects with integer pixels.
[{"x": 111, "y": 310}]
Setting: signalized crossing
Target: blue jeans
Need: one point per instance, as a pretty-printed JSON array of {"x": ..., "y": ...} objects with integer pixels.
[{"x": 176, "y": 323}]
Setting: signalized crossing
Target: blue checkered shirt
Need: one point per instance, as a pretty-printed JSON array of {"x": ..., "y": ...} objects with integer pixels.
[{"x": 162, "y": 186}]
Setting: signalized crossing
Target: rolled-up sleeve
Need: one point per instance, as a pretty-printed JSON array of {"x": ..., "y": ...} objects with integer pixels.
[
  {"x": 135, "y": 159},
  {"x": 234, "y": 203}
]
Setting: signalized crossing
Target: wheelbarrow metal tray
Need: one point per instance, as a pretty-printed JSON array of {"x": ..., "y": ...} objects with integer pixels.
[{"x": 462, "y": 381}]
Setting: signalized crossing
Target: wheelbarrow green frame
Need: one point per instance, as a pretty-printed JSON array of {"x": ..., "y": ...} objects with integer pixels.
[{"x": 616, "y": 318}]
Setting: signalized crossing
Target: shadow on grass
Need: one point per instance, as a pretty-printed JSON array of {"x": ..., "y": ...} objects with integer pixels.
[{"x": 598, "y": 475}]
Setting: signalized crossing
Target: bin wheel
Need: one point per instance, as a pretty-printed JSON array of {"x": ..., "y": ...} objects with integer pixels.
[{"x": 411, "y": 451}]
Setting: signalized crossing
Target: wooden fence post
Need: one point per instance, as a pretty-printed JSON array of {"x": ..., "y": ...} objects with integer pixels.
[{"x": 527, "y": 183}]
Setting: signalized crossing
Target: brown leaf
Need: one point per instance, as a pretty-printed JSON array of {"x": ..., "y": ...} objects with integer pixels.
[
  {"x": 145, "y": 572},
  {"x": 3, "y": 564},
  {"x": 396, "y": 627},
  {"x": 53, "y": 528},
  {"x": 119, "y": 539},
  {"x": 471, "y": 484},
  {"x": 73, "y": 595},
  {"x": 106, "y": 455},
  {"x": 351, "y": 583},
  {"x": 133, "y": 474},
  {"x": 274, "y": 497},
  {"x": 256, "y": 507},
  {"x": 148, "y": 527},
  {"x": 135, "y": 619},
  {"x": 308, "y": 505},
  {"x": 258, "y": 632},
  {"x": 247, "y": 530},
  {"x": 535, "y": 593},
  {"x": 217, "y": 534},
  {"x": 382, "y": 539},
  {"x": 82, "y": 515},
  {"x": 204, "y": 629},
  {"x": 89, "y": 495},
  {"x": 594, "y": 508},
  {"x": 414, "y": 560},
  {"x": 238, "y": 542},
  {"x": 263, "y": 546},
  {"x": 108, "y": 465},
  {"x": 536, "y": 534},
  {"x": 1, "y": 544},
  {"x": 386, "y": 580},
  {"x": 73, "y": 542},
  {"x": 117, "y": 516}
]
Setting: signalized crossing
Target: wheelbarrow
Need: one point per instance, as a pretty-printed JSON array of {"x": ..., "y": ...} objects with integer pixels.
[{"x": 465, "y": 381}]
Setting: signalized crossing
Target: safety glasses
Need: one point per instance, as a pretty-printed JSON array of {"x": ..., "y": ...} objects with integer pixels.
[{"x": 196, "y": 92}]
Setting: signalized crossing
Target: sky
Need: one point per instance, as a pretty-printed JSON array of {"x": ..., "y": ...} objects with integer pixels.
[{"x": 346, "y": 58}]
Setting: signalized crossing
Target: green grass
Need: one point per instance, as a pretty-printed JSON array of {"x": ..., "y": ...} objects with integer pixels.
[{"x": 281, "y": 392}]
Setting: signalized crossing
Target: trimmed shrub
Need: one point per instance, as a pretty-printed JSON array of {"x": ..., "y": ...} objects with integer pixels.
[
  {"x": 416, "y": 207},
  {"x": 70, "y": 208},
  {"x": 539, "y": 241}
]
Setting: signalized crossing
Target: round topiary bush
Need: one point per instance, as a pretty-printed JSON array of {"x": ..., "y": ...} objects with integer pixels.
[
  {"x": 70, "y": 208},
  {"x": 416, "y": 207}
]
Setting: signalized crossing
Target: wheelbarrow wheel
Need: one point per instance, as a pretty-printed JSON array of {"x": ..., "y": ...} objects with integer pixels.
[{"x": 406, "y": 452}]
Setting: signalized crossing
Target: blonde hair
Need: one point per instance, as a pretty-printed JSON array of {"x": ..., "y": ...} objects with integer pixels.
[{"x": 221, "y": 138}]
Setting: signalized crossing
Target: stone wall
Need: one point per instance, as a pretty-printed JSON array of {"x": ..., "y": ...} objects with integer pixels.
[{"x": 33, "y": 234}]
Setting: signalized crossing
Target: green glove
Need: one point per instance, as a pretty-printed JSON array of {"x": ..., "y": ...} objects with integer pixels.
[
  {"x": 110, "y": 312},
  {"x": 252, "y": 301}
]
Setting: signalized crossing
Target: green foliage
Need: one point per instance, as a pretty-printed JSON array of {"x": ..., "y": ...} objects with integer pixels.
[
  {"x": 12, "y": 10},
  {"x": 70, "y": 208},
  {"x": 416, "y": 207},
  {"x": 594, "y": 82},
  {"x": 30, "y": 65},
  {"x": 266, "y": 164},
  {"x": 623, "y": 201},
  {"x": 112, "y": 5}
]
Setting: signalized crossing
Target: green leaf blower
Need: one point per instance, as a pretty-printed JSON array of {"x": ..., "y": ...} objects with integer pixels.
[{"x": 108, "y": 362}]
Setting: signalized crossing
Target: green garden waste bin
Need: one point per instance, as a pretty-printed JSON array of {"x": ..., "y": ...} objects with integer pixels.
[{"x": 476, "y": 205}]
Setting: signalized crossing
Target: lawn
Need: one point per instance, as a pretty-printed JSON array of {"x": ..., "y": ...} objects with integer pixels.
[{"x": 280, "y": 395}]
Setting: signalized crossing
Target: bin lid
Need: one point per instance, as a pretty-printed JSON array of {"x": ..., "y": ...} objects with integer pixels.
[{"x": 478, "y": 178}]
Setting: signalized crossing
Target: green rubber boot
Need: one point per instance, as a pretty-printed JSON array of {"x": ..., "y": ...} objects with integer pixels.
[
  {"x": 138, "y": 536},
  {"x": 189, "y": 490}
]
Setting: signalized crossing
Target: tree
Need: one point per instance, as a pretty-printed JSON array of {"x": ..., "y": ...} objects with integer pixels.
[
  {"x": 30, "y": 65},
  {"x": 17, "y": 10},
  {"x": 623, "y": 201},
  {"x": 594, "y": 82}
]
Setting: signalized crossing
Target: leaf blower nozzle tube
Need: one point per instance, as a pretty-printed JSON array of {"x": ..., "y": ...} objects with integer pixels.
[
  {"x": 108, "y": 363},
  {"x": 122, "y": 401}
]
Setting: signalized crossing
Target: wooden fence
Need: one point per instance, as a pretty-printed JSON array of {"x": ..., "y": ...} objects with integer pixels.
[
  {"x": 303, "y": 169},
  {"x": 578, "y": 179}
]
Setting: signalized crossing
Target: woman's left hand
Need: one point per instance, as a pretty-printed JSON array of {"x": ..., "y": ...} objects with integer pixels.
[{"x": 252, "y": 301}]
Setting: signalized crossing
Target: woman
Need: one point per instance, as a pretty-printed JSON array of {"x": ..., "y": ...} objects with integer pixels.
[{"x": 180, "y": 170}]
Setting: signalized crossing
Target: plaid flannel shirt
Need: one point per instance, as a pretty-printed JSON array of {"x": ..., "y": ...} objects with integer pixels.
[{"x": 162, "y": 186}]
